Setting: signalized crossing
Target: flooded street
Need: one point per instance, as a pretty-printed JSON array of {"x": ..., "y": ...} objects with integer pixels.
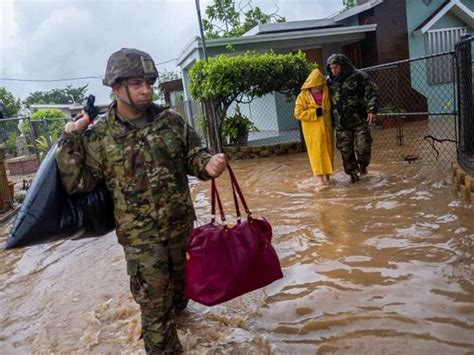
[{"x": 385, "y": 266}]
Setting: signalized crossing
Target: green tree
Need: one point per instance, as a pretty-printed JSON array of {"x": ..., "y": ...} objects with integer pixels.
[
  {"x": 224, "y": 80},
  {"x": 67, "y": 95},
  {"x": 224, "y": 19},
  {"x": 349, "y": 3},
  {"x": 47, "y": 113},
  {"x": 12, "y": 104},
  {"x": 51, "y": 121}
]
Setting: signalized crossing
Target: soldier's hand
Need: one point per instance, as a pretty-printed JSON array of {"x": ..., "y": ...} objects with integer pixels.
[
  {"x": 216, "y": 165},
  {"x": 371, "y": 118},
  {"x": 78, "y": 126}
]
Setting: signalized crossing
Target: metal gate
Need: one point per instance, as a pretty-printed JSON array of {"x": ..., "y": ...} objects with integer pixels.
[
  {"x": 465, "y": 122},
  {"x": 418, "y": 110}
]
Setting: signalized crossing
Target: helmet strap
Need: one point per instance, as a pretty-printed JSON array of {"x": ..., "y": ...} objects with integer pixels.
[{"x": 131, "y": 104}]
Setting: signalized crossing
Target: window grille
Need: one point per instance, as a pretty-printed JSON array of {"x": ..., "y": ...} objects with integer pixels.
[{"x": 439, "y": 68}]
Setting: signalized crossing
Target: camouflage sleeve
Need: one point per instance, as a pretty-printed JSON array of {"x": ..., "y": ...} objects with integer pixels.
[
  {"x": 78, "y": 169},
  {"x": 371, "y": 95},
  {"x": 197, "y": 156}
]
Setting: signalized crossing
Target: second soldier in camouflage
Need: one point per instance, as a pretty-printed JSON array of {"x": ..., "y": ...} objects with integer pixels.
[{"x": 354, "y": 101}]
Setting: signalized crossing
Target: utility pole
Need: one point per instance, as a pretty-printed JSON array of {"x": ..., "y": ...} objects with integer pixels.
[
  {"x": 201, "y": 31},
  {"x": 209, "y": 105}
]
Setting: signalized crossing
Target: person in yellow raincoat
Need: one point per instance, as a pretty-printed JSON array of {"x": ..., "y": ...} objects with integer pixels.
[{"x": 313, "y": 109}]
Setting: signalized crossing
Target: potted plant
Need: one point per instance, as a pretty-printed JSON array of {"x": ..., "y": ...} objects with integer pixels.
[{"x": 236, "y": 128}]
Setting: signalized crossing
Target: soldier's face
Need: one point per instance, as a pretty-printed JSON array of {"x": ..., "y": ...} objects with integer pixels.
[
  {"x": 141, "y": 91},
  {"x": 336, "y": 69}
]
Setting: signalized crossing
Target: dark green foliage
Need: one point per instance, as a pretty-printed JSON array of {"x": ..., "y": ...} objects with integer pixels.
[
  {"x": 55, "y": 127},
  {"x": 349, "y": 3},
  {"x": 50, "y": 121},
  {"x": 67, "y": 95},
  {"x": 237, "y": 128},
  {"x": 12, "y": 104},
  {"x": 225, "y": 18},
  {"x": 250, "y": 75},
  {"x": 224, "y": 80}
]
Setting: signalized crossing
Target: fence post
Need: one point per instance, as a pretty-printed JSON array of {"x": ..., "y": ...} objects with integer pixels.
[
  {"x": 466, "y": 124},
  {"x": 46, "y": 132},
  {"x": 5, "y": 195},
  {"x": 33, "y": 137}
]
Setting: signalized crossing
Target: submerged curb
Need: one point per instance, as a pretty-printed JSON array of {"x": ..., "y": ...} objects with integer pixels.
[{"x": 463, "y": 183}]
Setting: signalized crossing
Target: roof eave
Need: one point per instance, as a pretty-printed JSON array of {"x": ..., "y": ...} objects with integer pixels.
[
  {"x": 281, "y": 36},
  {"x": 457, "y": 7},
  {"x": 356, "y": 10}
]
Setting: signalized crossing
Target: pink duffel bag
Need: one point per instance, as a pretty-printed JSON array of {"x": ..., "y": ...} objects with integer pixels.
[{"x": 225, "y": 262}]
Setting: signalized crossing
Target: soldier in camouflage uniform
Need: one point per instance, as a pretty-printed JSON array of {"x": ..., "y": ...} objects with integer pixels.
[
  {"x": 354, "y": 101},
  {"x": 143, "y": 153}
]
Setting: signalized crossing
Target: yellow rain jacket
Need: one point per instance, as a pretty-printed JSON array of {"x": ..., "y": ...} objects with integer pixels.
[{"x": 317, "y": 131}]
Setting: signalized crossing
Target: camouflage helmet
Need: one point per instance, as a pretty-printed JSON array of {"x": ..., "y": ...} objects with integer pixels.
[{"x": 129, "y": 63}]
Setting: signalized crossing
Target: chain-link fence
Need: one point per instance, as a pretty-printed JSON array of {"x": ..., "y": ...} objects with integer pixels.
[
  {"x": 24, "y": 137},
  {"x": 23, "y": 144},
  {"x": 416, "y": 120},
  {"x": 419, "y": 101},
  {"x": 465, "y": 66},
  {"x": 417, "y": 111},
  {"x": 271, "y": 117}
]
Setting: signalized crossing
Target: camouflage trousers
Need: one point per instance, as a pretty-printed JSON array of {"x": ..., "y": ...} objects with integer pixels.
[
  {"x": 157, "y": 283},
  {"x": 355, "y": 147}
]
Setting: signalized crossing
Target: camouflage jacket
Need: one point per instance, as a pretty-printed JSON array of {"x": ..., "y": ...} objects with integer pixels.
[
  {"x": 353, "y": 94},
  {"x": 145, "y": 169}
]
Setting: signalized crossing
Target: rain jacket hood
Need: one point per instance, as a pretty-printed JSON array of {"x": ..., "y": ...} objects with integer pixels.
[
  {"x": 347, "y": 66},
  {"x": 315, "y": 78},
  {"x": 353, "y": 95}
]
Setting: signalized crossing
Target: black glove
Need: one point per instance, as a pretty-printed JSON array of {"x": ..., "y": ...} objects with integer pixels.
[{"x": 319, "y": 112}]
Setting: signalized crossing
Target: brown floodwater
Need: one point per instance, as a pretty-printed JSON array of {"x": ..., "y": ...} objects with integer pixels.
[{"x": 383, "y": 266}]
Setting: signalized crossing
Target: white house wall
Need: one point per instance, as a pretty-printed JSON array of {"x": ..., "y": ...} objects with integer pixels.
[{"x": 274, "y": 112}]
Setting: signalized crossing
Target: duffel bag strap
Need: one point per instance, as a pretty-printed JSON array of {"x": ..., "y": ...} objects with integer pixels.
[
  {"x": 214, "y": 196},
  {"x": 236, "y": 188}
]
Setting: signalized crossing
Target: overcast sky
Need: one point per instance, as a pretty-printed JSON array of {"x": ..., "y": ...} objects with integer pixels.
[{"x": 45, "y": 39}]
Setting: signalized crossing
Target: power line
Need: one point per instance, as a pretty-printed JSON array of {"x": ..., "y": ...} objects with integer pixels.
[
  {"x": 52, "y": 80},
  {"x": 166, "y": 61},
  {"x": 68, "y": 79}
]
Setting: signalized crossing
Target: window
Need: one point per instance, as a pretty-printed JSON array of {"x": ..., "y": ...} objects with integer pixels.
[{"x": 440, "y": 68}]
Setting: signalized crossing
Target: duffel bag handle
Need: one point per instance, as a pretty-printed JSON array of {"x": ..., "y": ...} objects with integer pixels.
[
  {"x": 236, "y": 189},
  {"x": 237, "y": 194},
  {"x": 214, "y": 196}
]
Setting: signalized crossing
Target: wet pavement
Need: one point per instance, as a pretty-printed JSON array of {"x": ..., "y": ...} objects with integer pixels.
[{"x": 384, "y": 266}]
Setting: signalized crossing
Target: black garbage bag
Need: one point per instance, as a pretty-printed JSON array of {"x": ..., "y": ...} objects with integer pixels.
[{"x": 48, "y": 213}]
